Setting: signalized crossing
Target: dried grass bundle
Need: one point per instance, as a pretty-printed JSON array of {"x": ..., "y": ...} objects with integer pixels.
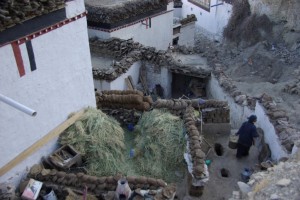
[{"x": 100, "y": 139}]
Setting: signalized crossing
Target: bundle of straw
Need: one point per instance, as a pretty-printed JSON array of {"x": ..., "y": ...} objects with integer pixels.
[
  {"x": 100, "y": 139},
  {"x": 159, "y": 144}
]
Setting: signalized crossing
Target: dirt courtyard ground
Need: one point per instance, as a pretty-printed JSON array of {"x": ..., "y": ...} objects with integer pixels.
[{"x": 224, "y": 171}]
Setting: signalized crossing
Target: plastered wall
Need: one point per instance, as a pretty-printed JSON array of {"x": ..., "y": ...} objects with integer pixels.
[
  {"x": 213, "y": 21},
  {"x": 119, "y": 83},
  {"x": 187, "y": 35},
  {"x": 62, "y": 83}
]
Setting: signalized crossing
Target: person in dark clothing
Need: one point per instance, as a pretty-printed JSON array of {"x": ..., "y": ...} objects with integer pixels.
[{"x": 247, "y": 133}]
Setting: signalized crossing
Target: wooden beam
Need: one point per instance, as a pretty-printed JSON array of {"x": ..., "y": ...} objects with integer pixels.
[
  {"x": 131, "y": 81},
  {"x": 40, "y": 143},
  {"x": 127, "y": 81}
]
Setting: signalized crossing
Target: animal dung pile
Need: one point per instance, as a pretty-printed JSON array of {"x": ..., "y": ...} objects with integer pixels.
[
  {"x": 213, "y": 111},
  {"x": 100, "y": 139},
  {"x": 17, "y": 11},
  {"x": 95, "y": 184},
  {"x": 195, "y": 140},
  {"x": 128, "y": 99},
  {"x": 159, "y": 144}
]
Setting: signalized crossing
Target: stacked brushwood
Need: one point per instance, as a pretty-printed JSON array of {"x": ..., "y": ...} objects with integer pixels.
[
  {"x": 124, "y": 116},
  {"x": 195, "y": 140},
  {"x": 213, "y": 111},
  {"x": 96, "y": 185},
  {"x": 18, "y": 11},
  {"x": 188, "y": 19},
  {"x": 111, "y": 15},
  {"x": 126, "y": 52},
  {"x": 128, "y": 99}
]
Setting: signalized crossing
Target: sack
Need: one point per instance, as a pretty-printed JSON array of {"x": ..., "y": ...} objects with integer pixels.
[{"x": 233, "y": 140}]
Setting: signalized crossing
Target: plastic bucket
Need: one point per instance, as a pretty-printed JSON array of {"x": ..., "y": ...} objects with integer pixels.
[{"x": 50, "y": 195}]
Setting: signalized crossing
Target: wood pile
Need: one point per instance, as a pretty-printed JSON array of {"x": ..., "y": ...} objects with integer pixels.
[
  {"x": 110, "y": 15},
  {"x": 18, "y": 11},
  {"x": 128, "y": 99},
  {"x": 127, "y": 52},
  {"x": 195, "y": 140},
  {"x": 188, "y": 19},
  {"x": 95, "y": 185}
]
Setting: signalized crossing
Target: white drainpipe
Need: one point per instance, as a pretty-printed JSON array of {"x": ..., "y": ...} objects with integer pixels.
[{"x": 17, "y": 105}]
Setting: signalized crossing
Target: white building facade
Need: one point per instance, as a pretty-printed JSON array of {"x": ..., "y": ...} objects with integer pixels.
[
  {"x": 49, "y": 71},
  {"x": 212, "y": 15}
]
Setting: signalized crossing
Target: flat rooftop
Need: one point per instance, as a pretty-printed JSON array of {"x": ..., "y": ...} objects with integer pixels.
[
  {"x": 101, "y": 62},
  {"x": 193, "y": 60}
]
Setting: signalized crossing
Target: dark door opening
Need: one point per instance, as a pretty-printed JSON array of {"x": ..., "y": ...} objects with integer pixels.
[{"x": 192, "y": 87}]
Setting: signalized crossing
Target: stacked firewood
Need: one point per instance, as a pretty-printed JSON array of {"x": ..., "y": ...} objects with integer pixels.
[
  {"x": 188, "y": 19},
  {"x": 17, "y": 11},
  {"x": 126, "y": 52},
  {"x": 109, "y": 15},
  {"x": 128, "y": 99}
]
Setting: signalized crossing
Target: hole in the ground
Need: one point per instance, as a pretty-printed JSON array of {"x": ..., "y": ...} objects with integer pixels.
[
  {"x": 219, "y": 149},
  {"x": 224, "y": 173}
]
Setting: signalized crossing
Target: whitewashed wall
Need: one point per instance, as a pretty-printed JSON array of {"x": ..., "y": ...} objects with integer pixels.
[
  {"x": 162, "y": 76},
  {"x": 119, "y": 83},
  {"x": 178, "y": 12},
  {"x": 213, "y": 21},
  {"x": 239, "y": 114},
  {"x": 159, "y": 35},
  {"x": 61, "y": 84},
  {"x": 187, "y": 35}
]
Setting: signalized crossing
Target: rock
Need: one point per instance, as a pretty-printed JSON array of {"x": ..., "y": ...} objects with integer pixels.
[
  {"x": 274, "y": 197},
  {"x": 283, "y": 182},
  {"x": 244, "y": 188}
]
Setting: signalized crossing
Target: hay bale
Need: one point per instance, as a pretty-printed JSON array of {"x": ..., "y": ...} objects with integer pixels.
[
  {"x": 160, "y": 144},
  {"x": 100, "y": 139}
]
